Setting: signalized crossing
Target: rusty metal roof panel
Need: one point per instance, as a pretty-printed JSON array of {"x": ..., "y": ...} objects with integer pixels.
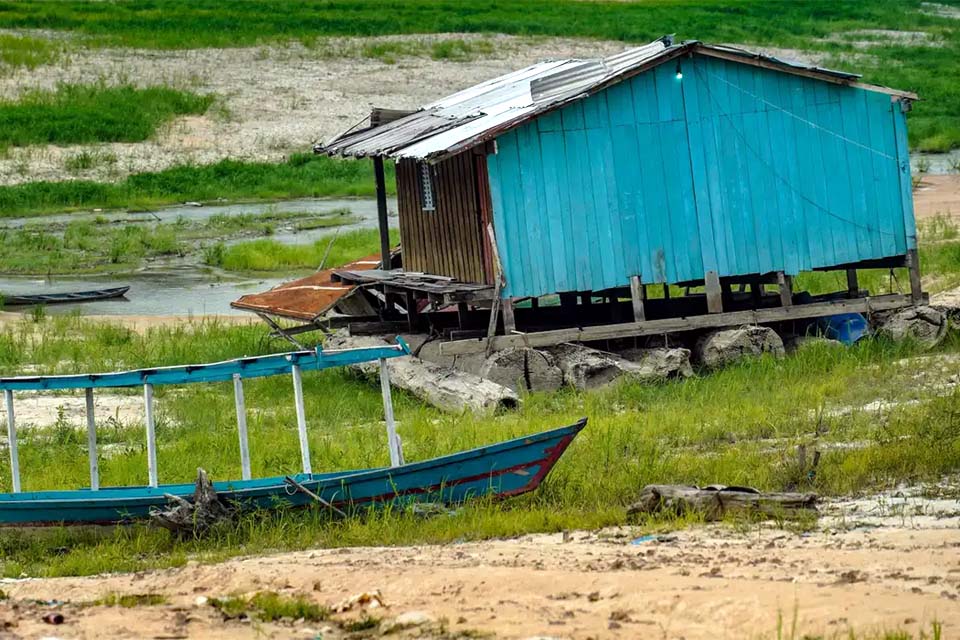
[{"x": 306, "y": 298}]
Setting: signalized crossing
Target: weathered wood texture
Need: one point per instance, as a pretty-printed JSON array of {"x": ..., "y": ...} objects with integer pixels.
[
  {"x": 691, "y": 323},
  {"x": 716, "y": 501},
  {"x": 186, "y": 518},
  {"x": 449, "y": 240},
  {"x": 443, "y": 387}
]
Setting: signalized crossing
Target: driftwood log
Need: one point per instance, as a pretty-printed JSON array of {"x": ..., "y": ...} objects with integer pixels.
[
  {"x": 443, "y": 387},
  {"x": 186, "y": 518},
  {"x": 715, "y": 501}
]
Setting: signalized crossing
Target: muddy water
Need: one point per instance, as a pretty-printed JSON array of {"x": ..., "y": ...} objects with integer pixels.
[{"x": 182, "y": 286}]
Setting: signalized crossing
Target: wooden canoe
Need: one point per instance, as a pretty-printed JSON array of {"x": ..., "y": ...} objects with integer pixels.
[
  {"x": 500, "y": 470},
  {"x": 65, "y": 297}
]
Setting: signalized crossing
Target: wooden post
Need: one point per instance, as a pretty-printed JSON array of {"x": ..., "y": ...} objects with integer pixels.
[
  {"x": 509, "y": 322},
  {"x": 785, "y": 283},
  {"x": 853, "y": 284},
  {"x": 301, "y": 418},
  {"x": 242, "y": 427},
  {"x": 913, "y": 265},
  {"x": 151, "y": 435},
  {"x": 637, "y": 296},
  {"x": 393, "y": 440},
  {"x": 413, "y": 316},
  {"x": 12, "y": 440},
  {"x": 92, "y": 442},
  {"x": 666, "y": 291},
  {"x": 381, "y": 185},
  {"x": 711, "y": 282}
]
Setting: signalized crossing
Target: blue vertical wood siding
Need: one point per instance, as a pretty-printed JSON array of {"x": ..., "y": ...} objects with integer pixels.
[{"x": 733, "y": 168}]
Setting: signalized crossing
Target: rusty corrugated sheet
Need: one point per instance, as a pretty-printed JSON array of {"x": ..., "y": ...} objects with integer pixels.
[{"x": 306, "y": 298}]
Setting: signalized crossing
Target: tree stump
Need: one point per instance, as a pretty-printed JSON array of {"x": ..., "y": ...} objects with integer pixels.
[{"x": 193, "y": 519}]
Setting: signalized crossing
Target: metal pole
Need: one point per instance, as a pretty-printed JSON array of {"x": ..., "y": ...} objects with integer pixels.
[
  {"x": 242, "y": 427},
  {"x": 301, "y": 418},
  {"x": 92, "y": 443},
  {"x": 151, "y": 435},
  {"x": 393, "y": 440},
  {"x": 12, "y": 438}
]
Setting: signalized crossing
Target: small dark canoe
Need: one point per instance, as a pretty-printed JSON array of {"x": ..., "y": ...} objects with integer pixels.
[
  {"x": 499, "y": 470},
  {"x": 70, "y": 296}
]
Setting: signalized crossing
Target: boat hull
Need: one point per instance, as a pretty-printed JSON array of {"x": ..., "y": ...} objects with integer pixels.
[
  {"x": 500, "y": 470},
  {"x": 64, "y": 298}
]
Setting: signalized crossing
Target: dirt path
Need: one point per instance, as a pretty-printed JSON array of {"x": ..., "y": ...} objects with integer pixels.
[
  {"x": 937, "y": 195},
  {"x": 880, "y": 564}
]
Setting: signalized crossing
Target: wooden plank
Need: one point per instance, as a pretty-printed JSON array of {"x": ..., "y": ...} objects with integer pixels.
[
  {"x": 301, "y": 419},
  {"x": 714, "y": 292},
  {"x": 913, "y": 266},
  {"x": 393, "y": 440},
  {"x": 242, "y": 427},
  {"x": 785, "y": 283},
  {"x": 637, "y": 296},
  {"x": 92, "y": 442},
  {"x": 151, "y": 435},
  {"x": 853, "y": 284},
  {"x": 12, "y": 443},
  {"x": 509, "y": 321},
  {"x": 669, "y": 325},
  {"x": 381, "y": 185}
]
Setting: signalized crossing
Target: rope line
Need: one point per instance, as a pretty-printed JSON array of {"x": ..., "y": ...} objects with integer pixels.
[
  {"x": 786, "y": 181},
  {"x": 801, "y": 119}
]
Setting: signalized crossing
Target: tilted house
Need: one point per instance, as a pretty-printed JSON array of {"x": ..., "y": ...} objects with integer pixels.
[{"x": 669, "y": 163}]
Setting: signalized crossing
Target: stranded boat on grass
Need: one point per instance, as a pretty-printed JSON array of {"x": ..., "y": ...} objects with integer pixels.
[{"x": 500, "y": 470}]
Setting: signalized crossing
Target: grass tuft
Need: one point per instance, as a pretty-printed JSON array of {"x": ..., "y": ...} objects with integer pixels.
[
  {"x": 83, "y": 114},
  {"x": 268, "y": 606}
]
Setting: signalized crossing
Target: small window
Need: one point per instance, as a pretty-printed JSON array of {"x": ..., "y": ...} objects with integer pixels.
[{"x": 426, "y": 187}]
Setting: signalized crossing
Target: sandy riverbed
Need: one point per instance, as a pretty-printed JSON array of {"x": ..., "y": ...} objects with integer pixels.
[{"x": 882, "y": 563}]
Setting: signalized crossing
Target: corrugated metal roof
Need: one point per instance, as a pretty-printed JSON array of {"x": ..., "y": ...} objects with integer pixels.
[{"x": 480, "y": 113}]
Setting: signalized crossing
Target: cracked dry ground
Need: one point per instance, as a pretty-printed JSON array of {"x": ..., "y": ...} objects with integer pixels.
[{"x": 869, "y": 566}]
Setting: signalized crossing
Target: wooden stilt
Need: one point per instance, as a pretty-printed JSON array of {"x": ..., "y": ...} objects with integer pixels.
[
  {"x": 92, "y": 443},
  {"x": 711, "y": 282},
  {"x": 509, "y": 322},
  {"x": 637, "y": 296},
  {"x": 666, "y": 291},
  {"x": 12, "y": 443},
  {"x": 151, "y": 435},
  {"x": 853, "y": 284},
  {"x": 393, "y": 440},
  {"x": 913, "y": 265},
  {"x": 242, "y": 427},
  {"x": 785, "y": 283},
  {"x": 301, "y": 418}
]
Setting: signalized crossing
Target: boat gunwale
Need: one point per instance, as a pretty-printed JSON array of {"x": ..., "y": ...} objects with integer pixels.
[{"x": 25, "y": 500}]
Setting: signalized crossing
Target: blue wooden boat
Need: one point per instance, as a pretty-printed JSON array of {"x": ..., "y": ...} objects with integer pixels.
[{"x": 504, "y": 469}]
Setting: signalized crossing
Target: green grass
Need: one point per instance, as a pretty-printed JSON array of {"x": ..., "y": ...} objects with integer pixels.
[
  {"x": 737, "y": 426},
  {"x": 30, "y": 53},
  {"x": 182, "y": 24},
  {"x": 130, "y": 601},
  {"x": 83, "y": 114},
  {"x": 268, "y": 606},
  {"x": 302, "y": 175},
  {"x": 269, "y": 255},
  {"x": 97, "y": 245}
]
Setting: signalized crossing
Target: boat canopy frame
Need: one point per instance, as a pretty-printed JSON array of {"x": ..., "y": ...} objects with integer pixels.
[{"x": 235, "y": 370}]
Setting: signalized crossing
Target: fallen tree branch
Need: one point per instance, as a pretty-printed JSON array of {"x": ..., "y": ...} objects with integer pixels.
[
  {"x": 716, "y": 501},
  {"x": 186, "y": 518}
]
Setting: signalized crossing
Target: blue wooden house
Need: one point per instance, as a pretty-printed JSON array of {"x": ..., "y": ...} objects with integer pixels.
[{"x": 668, "y": 164}]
